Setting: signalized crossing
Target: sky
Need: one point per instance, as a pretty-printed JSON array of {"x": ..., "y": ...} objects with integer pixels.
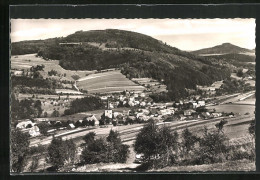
[{"x": 185, "y": 34}]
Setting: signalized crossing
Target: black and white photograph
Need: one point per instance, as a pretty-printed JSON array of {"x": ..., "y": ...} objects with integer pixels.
[{"x": 132, "y": 95}]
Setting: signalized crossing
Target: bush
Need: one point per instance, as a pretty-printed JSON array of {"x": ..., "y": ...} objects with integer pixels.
[
  {"x": 37, "y": 150},
  {"x": 89, "y": 138},
  {"x": 43, "y": 127},
  {"x": 35, "y": 163},
  {"x": 55, "y": 113},
  {"x": 251, "y": 128}
]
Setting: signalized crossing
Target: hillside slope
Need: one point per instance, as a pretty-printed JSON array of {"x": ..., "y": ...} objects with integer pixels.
[{"x": 136, "y": 55}]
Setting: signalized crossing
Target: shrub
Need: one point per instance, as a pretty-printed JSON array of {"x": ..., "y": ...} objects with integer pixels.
[
  {"x": 89, "y": 138},
  {"x": 35, "y": 163},
  {"x": 43, "y": 127},
  {"x": 251, "y": 128}
]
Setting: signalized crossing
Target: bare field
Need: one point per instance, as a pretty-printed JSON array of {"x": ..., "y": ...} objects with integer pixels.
[{"x": 107, "y": 82}]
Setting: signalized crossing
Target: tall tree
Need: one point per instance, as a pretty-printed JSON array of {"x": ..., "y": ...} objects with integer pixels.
[{"x": 19, "y": 150}]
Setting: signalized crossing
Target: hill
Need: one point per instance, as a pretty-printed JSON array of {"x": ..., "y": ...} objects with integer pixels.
[
  {"x": 225, "y": 48},
  {"x": 135, "y": 54}
]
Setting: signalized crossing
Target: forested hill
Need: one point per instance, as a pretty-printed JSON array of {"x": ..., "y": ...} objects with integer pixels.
[
  {"x": 225, "y": 48},
  {"x": 137, "y": 55}
]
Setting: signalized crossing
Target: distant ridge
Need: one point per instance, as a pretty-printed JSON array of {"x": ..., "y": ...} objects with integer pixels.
[{"x": 225, "y": 48}]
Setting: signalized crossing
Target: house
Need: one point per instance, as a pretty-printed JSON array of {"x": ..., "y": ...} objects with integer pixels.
[
  {"x": 205, "y": 115},
  {"x": 166, "y": 112},
  {"x": 182, "y": 117},
  {"x": 34, "y": 131},
  {"x": 126, "y": 112},
  {"x": 153, "y": 110},
  {"x": 143, "y": 103},
  {"x": 24, "y": 124},
  {"x": 121, "y": 98},
  {"x": 103, "y": 98},
  {"x": 145, "y": 111},
  {"x": 131, "y": 103},
  {"x": 71, "y": 126},
  {"x": 131, "y": 98},
  {"x": 144, "y": 117},
  {"x": 18, "y": 73},
  {"x": 201, "y": 103},
  {"x": 189, "y": 112},
  {"x": 94, "y": 118},
  {"x": 109, "y": 113},
  {"x": 195, "y": 105},
  {"x": 139, "y": 114},
  {"x": 117, "y": 113},
  {"x": 142, "y": 95},
  {"x": 215, "y": 115}
]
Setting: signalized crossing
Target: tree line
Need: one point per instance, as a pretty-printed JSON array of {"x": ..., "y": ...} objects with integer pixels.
[{"x": 160, "y": 147}]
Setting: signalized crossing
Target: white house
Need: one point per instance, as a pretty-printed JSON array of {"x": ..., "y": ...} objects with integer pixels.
[
  {"x": 143, "y": 103},
  {"x": 131, "y": 98},
  {"x": 166, "y": 112},
  {"x": 93, "y": 117},
  {"x": 104, "y": 98},
  {"x": 109, "y": 113},
  {"x": 142, "y": 94},
  {"x": 24, "y": 124},
  {"x": 188, "y": 112},
  {"x": 34, "y": 131},
  {"x": 201, "y": 103},
  {"x": 139, "y": 114},
  {"x": 18, "y": 73},
  {"x": 71, "y": 126},
  {"x": 194, "y": 105}
]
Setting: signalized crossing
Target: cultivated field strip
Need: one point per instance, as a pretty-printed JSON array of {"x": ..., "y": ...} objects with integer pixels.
[{"x": 107, "y": 82}]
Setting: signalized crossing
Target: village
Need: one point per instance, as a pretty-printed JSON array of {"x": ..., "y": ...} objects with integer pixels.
[{"x": 122, "y": 109}]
